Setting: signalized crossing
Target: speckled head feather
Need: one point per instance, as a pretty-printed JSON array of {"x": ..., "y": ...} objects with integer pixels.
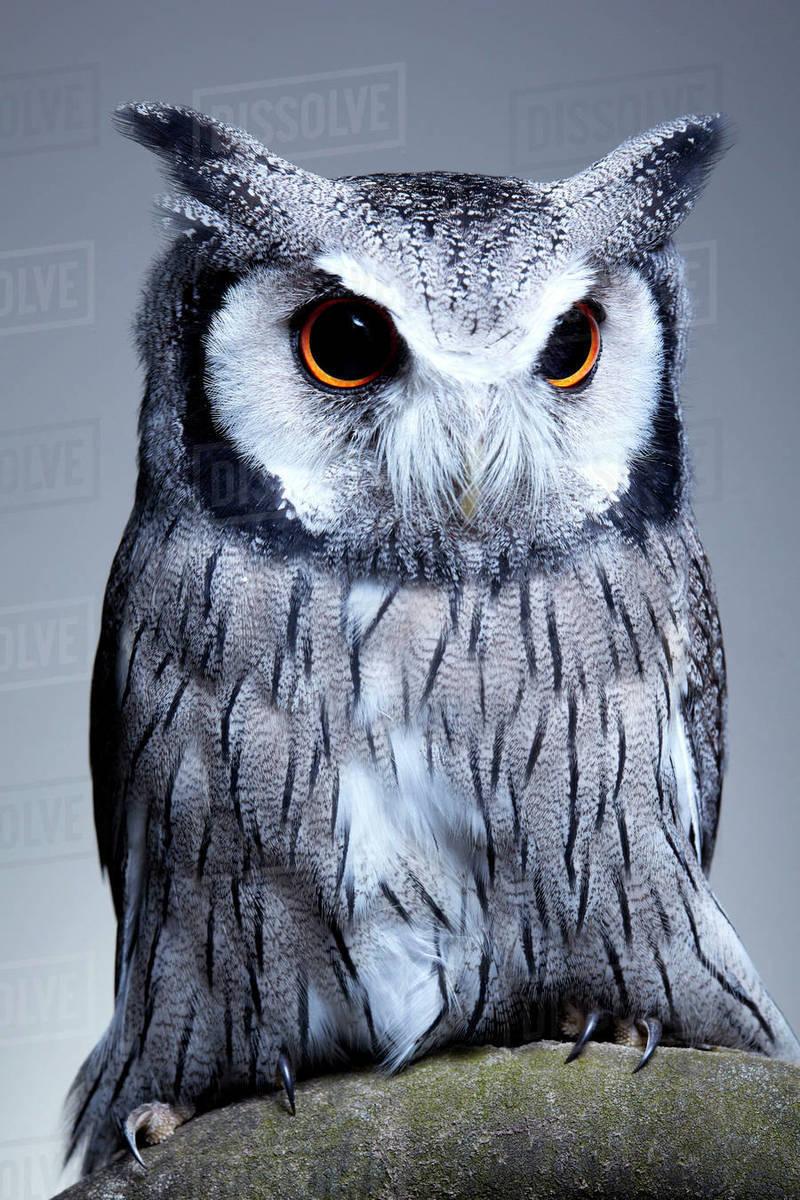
[{"x": 475, "y": 272}]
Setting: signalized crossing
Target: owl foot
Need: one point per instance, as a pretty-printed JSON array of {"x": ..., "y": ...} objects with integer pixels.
[
  {"x": 152, "y": 1123},
  {"x": 286, "y": 1077},
  {"x": 644, "y": 1032},
  {"x": 593, "y": 1019}
]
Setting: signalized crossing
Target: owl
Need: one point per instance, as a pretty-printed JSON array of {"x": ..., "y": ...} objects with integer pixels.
[{"x": 408, "y": 708}]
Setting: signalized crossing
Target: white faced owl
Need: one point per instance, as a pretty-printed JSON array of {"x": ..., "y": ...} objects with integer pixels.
[{"x": 407, "y": 715}]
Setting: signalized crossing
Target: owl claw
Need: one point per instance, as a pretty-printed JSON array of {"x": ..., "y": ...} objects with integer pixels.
[
  {"x": 287, "y": 1078},
  {"x": 590, "y": 1025},
  {"x": 653, "y": 1027},
  {"x": 158, "y": 1121}
]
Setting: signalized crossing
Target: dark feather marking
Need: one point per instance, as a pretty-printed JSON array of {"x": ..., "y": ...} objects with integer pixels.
[
  {"x": 341, "y": 946},
  {"x": 301, "y": 590},
  {"x": 539, "y": 898},
  {"x": 374, "y": 1042},
  {"x": 149, "y": 1010},
  {"x": 523, "y": 855},
  {"x": 379, "y": 615},
  {"x": 355, "y": 674},
  {"x": 619, "y": 978},
  {"x": 137, "y": 637},
  {"x": 334, "y": 802},
  {"x": 477, "y": 783},
  {"x": 165, "y": 900},
  {"x": 219, "y": 637},
  {"x": 313, "y": 771},
  {"x": 512, "y": 795},
  {"x": 572, "y": 751},
  {"x": 141, "y": 745},
  {"x": 326, "y": 735},
  {"x": 204, "y": 847},
  {"x": 624, "y": 907},
  {"x": 663, "y": 916},
  {"x": 475, "y": 630},
  {"x": 406, "y": 687},
  {"x": 603, "y": 715},
  {"x": 676, "y": 851},
  {"x": 183, "y": 1047},
  {"x": 622, "y": 826},
  {"x": 448, "y": 736},
  {"x": 480, "y": 1003},
  {"x": 370, "y": 740},
  {"x": 527, "y": 946},
  {"x": 433, "y": 669},
  {"x": 731, "y": 989},
  {"x": 665, "y": 983},
  {"x": 482, "y": 691},
  {"x": 621, "y": 753},
  {"x": 288, "y": 785},
  {"x": 343, "y": 859},
  {"x": 162, "y": 666},
  {"x": 395, "y": 903},
  {"x": 123, "y": 1075},
  {"x": 632, "y": 638},
  {"x": 277, "y": 668},
  {"x": 211, "y": 566},
  {"x": 536, "y": 746},
  {"x": 151, "y": 962},
  {"x": 583, "y": 899},
  {"x": 608, "y": 595},
  {"x": 226, "y": 717},
  {"x": 428, "y": 899},
  {"x": 480, "y": 892},
  {"x": 176, "y": 699},
  {"x": 210, "y": 946},
  {"x": 455, "y": 605},
  {"x": 254, "y": 990},
  {"x": 308, "y": 656},
  {"x": 612, "y": 650},
  {"x": 555, "y": 647},
  {"x": 497, "y": 754},
  {"x": 525, "y": 624}
]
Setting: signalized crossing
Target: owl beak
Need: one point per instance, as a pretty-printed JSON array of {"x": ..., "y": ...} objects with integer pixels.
[
  {"x": 468, "y": 489},
  {"x": 468, "y": 501}
]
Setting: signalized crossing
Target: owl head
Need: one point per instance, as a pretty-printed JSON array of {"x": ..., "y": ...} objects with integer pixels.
[{"x": 426, "y": 370}]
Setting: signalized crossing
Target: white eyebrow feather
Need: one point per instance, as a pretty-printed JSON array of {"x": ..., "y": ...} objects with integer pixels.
[{"x": 537, "y": 315}]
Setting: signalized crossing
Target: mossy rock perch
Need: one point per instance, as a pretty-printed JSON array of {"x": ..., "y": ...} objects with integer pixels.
[{"x": 495, "y": 1123}]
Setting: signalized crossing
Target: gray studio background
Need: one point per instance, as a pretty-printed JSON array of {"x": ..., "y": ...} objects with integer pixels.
[{"x": 506, "y": 88}]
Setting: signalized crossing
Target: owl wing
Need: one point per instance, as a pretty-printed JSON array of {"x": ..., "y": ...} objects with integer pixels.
[
  {"x": 705, "y": 698},
  {"x": 105, "y": 730}
]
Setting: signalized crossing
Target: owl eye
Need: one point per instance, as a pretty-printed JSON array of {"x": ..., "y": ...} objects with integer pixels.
[
  {"x": 347, "y": 342},
  {"x": 573, "y": 349}
]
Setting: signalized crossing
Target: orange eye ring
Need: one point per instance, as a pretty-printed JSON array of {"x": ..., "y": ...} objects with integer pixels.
[
  {"x": 374, "y": 358},
  {"x": 571, "y": 381}
]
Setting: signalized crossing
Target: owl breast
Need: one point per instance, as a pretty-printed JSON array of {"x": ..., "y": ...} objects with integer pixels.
[{"x": 410, "y": 798}]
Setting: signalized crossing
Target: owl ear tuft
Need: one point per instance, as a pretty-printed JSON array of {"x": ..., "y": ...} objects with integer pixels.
[
  {"x": 228, "y": 183},
  {"x": 645, "y": 188}
]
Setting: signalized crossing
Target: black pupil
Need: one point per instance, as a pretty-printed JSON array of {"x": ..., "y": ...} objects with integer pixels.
[
  {"x": 569, "y": 346},
  {"x": 351, "y": 340}
]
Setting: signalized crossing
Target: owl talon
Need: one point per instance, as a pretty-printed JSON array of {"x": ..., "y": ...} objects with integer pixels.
[
  {"x": 653, "y": 1027},
  {"x": 590, "y": 1025},
  {"x": 156, "y": 1122},
  {"x": 287, "y": 1078}
]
